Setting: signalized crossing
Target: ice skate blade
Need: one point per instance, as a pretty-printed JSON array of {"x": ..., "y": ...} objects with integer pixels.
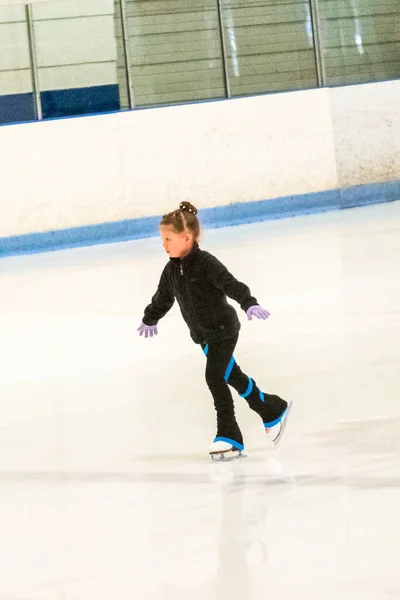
[
  {"x": 283, "y": 424},
  {"x": 226, "y": 456}
]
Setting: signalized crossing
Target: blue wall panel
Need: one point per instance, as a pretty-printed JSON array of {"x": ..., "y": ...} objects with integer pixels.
[
  {"x": 15, "y": 108},
  {"x": 80, "y": 101}
]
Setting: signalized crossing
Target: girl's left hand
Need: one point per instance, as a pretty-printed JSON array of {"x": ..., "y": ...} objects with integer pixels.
[{"x": 258, "y": 312}]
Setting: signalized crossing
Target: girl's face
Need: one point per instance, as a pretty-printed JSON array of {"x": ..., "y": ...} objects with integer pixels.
[{"x": 176, "y": 245}]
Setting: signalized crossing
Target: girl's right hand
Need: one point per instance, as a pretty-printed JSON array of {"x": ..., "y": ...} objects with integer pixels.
[{"x": 147, "y": 330}]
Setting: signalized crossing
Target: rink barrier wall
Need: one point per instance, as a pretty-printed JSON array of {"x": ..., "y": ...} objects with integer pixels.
[
  {"x": 219, "y": 216},
  {"x": 71, "y": 174}
]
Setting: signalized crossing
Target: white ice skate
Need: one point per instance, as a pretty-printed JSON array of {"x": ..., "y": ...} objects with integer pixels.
[
  {"x": 281, "y": 423},
  {"x": 223, "y": 451}
]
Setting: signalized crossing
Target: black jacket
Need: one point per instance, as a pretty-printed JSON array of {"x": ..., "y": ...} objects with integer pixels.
[{"x": 200, "y": 283}]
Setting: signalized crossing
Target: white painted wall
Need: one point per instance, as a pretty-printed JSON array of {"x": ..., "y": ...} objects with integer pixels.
[
  {"x": 15, "y": 69},
  {"x": 73, "y": 172},
  {"x": 75, "y": 45},
  {"x": 18, "y": 2}
]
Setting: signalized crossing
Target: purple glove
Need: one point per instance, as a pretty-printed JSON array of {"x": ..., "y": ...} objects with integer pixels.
[
  {"x": 258, "y": 312},
  {"x": 147, "y": 330}
]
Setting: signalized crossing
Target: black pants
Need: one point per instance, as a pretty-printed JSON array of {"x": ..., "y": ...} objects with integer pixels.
[{"x": 222, "y": 370}]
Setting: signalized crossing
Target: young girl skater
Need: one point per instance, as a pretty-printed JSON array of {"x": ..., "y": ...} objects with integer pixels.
[{"x": 201, "y": 283}]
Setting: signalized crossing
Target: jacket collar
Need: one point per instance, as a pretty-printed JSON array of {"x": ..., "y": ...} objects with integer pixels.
[{"x": 189, "y": 258}]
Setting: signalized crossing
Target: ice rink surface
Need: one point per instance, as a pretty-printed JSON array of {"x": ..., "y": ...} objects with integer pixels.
[{"x": 106, "y": 488}]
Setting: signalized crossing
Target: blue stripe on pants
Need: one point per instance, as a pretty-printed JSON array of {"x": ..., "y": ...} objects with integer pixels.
[
  {"x": 249, "y": 389},
  {"x": 229, "y": 369}
]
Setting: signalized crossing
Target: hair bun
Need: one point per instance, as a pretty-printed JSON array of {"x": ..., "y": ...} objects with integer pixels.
[{"x": 186, "y": 206}]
